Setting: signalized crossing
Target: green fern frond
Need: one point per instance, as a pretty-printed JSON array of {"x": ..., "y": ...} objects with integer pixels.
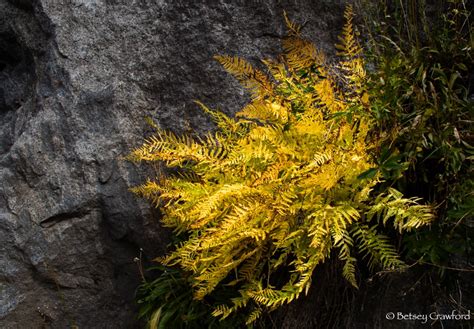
[{"x": 376, "y": 247}]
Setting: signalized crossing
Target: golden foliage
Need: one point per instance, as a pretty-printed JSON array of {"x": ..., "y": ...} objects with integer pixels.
[{"x": 279, "y": 186}]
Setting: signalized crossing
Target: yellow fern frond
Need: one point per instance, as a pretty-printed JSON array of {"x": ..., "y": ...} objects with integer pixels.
[
  {"x": 226, "y": 124},
  {"x": 293, "y": 28},
  {"x": 299, "y": 52},
  {"x": 345, "y": 245},
  {"x": 352, "y": 64},
  {"x": 265, "y": 111},
  {"x": 252, "y": 79}
]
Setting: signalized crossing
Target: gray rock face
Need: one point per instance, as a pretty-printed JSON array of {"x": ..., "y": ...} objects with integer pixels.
[{"x": 77, "y": 78}]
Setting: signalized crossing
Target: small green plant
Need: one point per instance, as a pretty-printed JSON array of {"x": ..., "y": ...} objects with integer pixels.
[{"x": 264, "y": 200}]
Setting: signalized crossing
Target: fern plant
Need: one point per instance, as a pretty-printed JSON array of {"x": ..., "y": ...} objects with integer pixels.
[{"x": 266, "y": 198}]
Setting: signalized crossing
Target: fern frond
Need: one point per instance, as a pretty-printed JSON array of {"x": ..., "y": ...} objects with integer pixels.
[
  {"x": 345, "y": 244},
  {"x": 254, "y": 316},
  {"x": 353, "y": 64},
  {"x": 292, "y": 27},
  {"x": 264, "y": 111},
  {"x": 227, "y": 125},
  {"x": 222, "y": 311},
  {"x": 349, "y": 45},
  {"x": 252, "y": 79},
  {"x": 376, "y": 247},
  {"x": 406, "y": 214},
  {"x": 166, "y": 146},
  {"x": 299, "y": 52},
  {"x": 150, "y": 190},
  {"x": 329, "y": 98}
]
